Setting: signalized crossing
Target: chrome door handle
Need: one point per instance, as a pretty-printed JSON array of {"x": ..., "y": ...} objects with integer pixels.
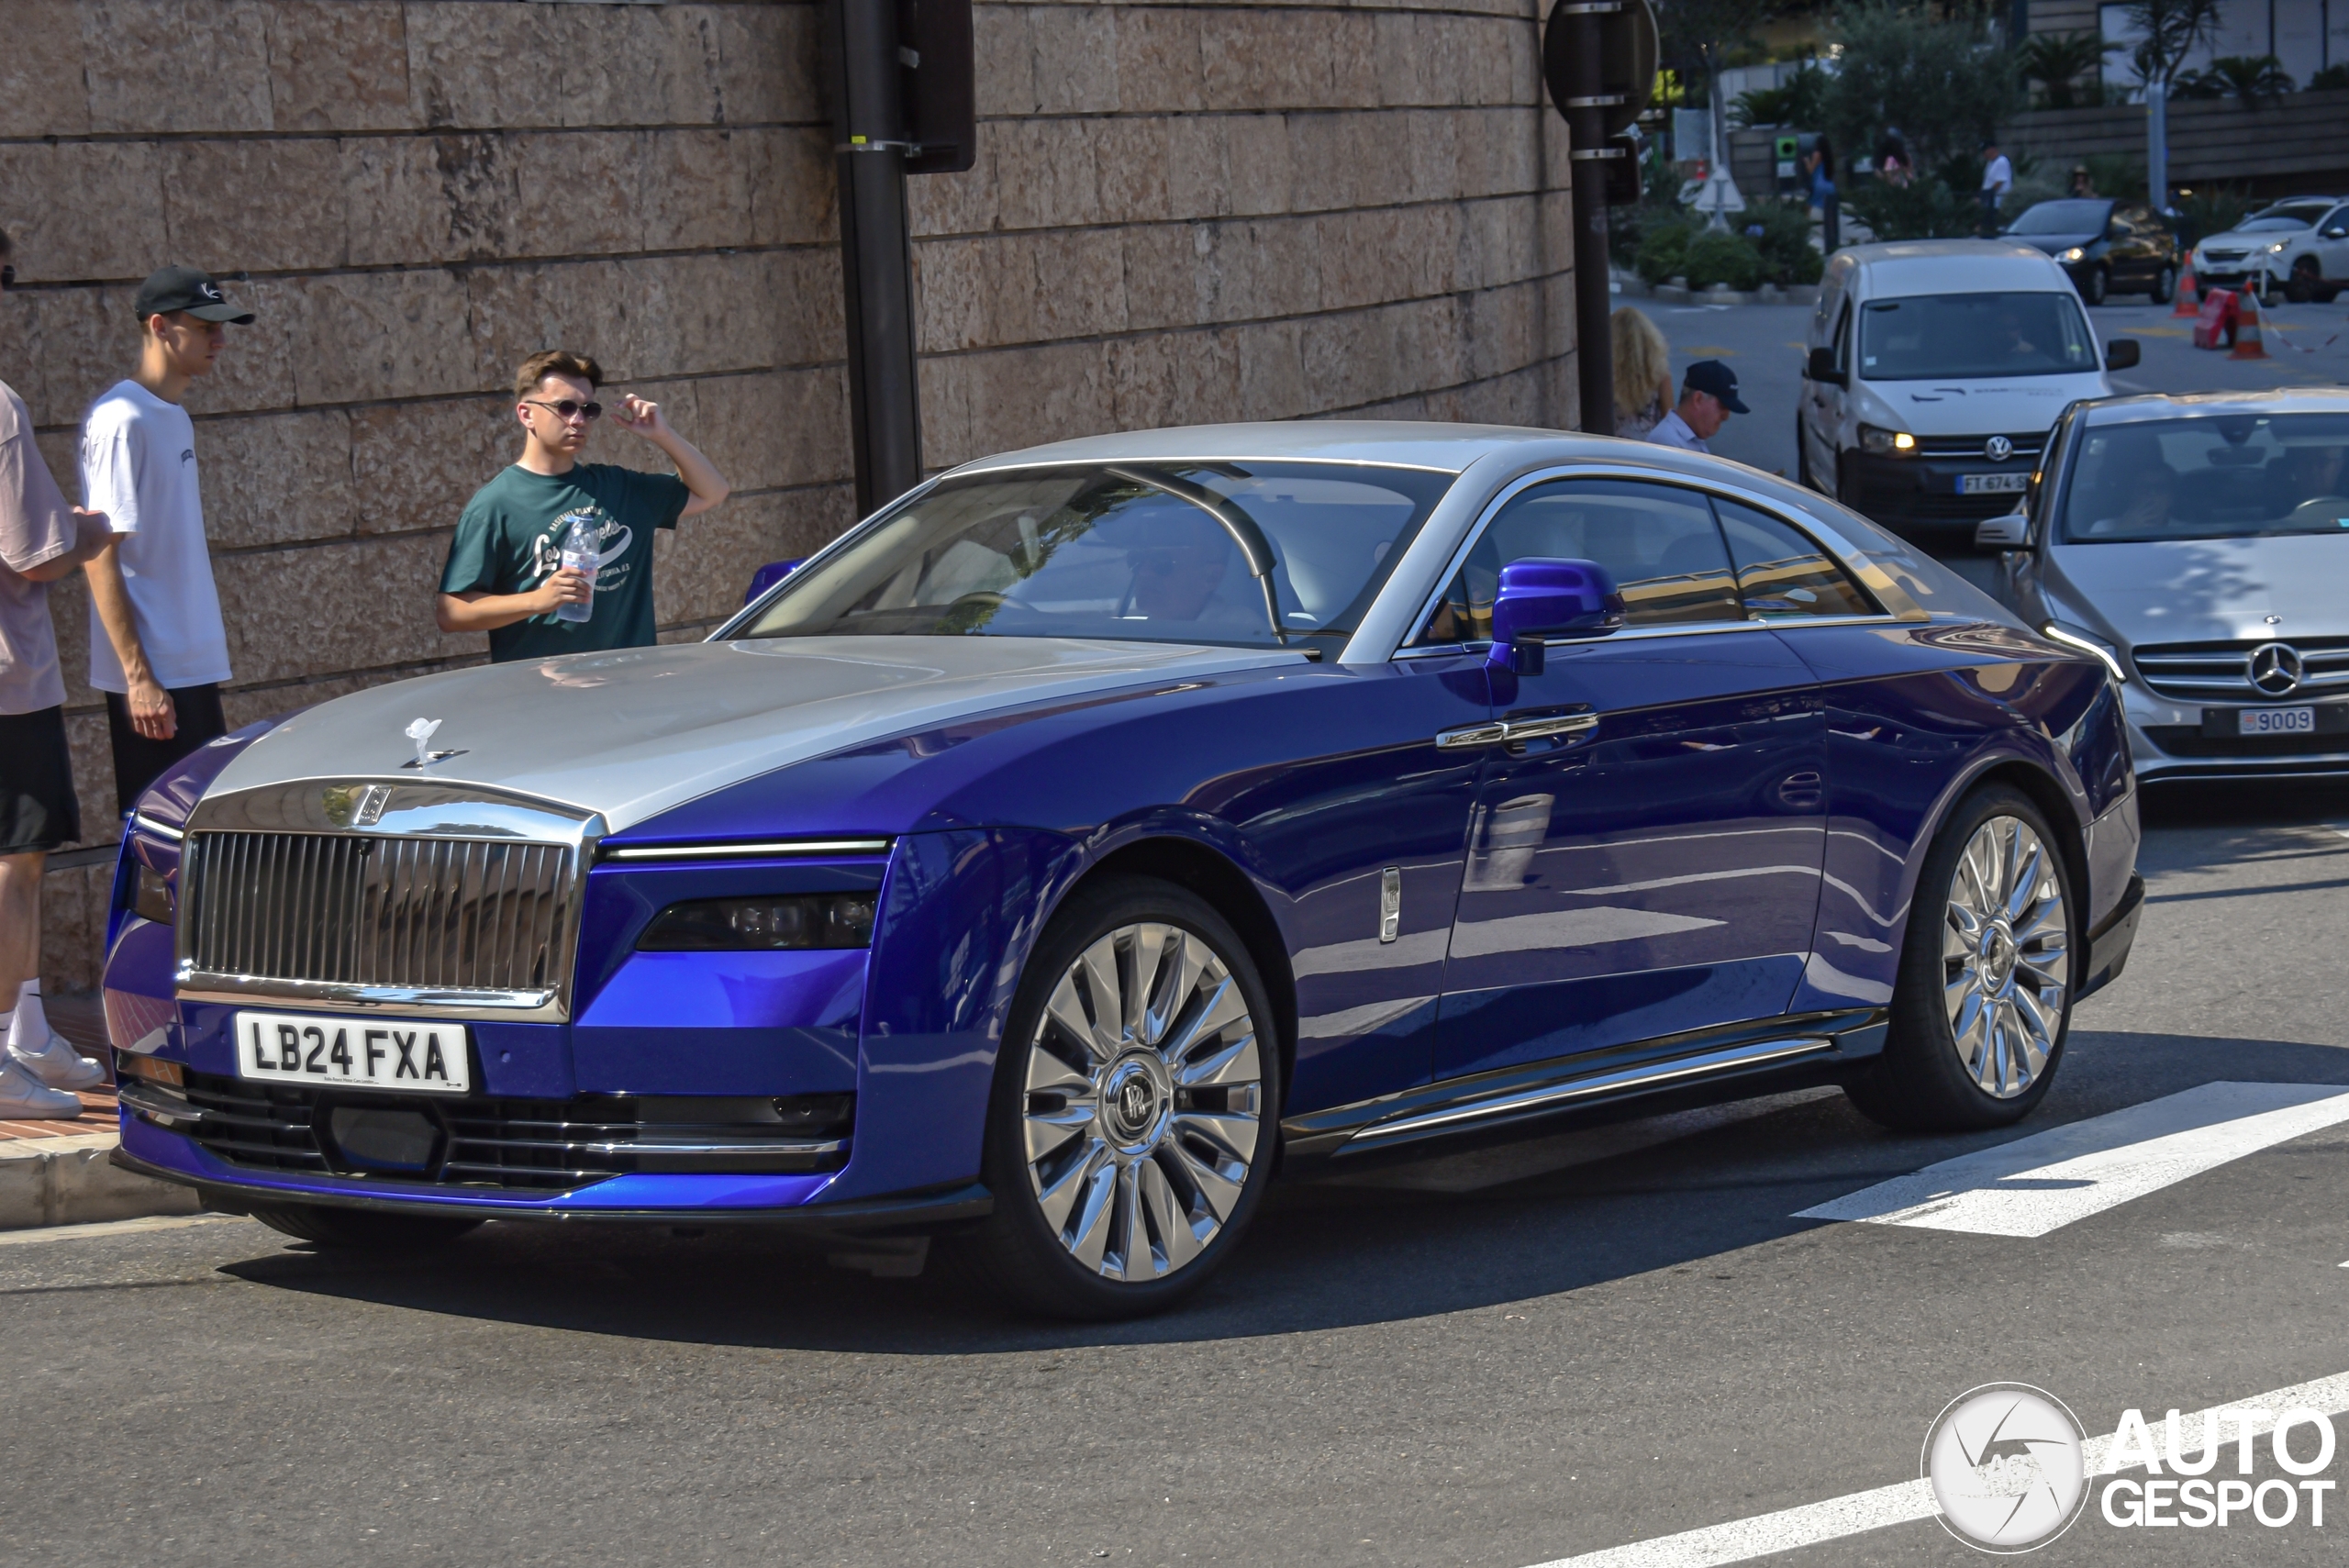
[{"x": 1507, "y": 729}]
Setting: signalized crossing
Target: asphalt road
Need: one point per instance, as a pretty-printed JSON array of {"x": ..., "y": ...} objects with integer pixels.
[{"x": 1499, "y": 1360}]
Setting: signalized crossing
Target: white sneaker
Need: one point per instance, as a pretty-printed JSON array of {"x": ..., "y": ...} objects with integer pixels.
[
  {"x": 59, "y": 1065},
  {"x": 24, "y": 1098}
]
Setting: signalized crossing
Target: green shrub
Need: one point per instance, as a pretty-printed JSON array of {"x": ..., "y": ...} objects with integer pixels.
[
  {"x": 1723, "y": 256},
  {"x": 1925, "y": 210},
  {"x": 1781, "y": 233},
  {"x": 1662, "y": 249}
]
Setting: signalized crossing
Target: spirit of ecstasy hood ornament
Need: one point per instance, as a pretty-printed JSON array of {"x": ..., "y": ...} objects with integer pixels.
[{"x": 420, "y": 731}]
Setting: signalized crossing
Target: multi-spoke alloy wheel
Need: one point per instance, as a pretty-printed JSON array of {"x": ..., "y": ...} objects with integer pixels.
[
  {"x": 1984, "y": 998},
  {"x": 1143, "y": 1093},
  {"x": 1133, "y": 1108},
  {"x": 2006, "y": 957}
]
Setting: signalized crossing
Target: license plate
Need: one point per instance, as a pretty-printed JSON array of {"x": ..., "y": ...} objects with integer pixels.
[
  {"x": 1993, "y": 484},
  {"x": 2275, "y": 721},
  {"x": 402, "y": 1056}
]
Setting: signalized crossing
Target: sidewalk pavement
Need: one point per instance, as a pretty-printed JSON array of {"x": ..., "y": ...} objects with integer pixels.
[{"x": 57, "y": 1172}]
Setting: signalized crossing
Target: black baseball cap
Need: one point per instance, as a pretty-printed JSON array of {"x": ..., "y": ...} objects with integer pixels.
[
  {"x": 1714, "y": 377},
  {"x": 185, "y": 288}
]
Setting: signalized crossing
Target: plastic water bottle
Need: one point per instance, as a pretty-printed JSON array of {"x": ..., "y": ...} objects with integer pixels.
[{"x": 579, "y": 555}]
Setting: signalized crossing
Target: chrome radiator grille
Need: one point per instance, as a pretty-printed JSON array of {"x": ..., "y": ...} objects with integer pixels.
[
  {"x": 2221, "y": 671},
  {"x": 441, "y": 913}
]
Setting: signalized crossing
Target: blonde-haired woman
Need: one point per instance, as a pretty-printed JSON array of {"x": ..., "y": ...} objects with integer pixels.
[{"x": 1642, "y": 373}]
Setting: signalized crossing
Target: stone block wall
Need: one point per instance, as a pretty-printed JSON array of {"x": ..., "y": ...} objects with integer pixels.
[{"x": 1181, "y": 213}]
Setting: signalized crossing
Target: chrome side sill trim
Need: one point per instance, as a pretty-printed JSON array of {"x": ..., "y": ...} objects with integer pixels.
[
  {"x": 1643, "y": 1076},
  {"x": 742, "y": 852}
]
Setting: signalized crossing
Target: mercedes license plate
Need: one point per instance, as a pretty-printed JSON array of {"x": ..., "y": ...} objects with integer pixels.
[
  {"x": 397, "y": 1055},
  {"x": 1993, "y": 484},
  {"x": 2275, "y": 721}
]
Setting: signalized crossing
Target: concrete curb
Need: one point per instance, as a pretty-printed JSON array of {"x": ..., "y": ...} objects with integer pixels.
[{"x": 68, "y": 1181}]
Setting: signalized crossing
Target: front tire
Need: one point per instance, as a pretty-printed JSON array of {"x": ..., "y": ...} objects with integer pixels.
[
  {"x": 361, "y": 1229},
  {"x": 2305, "y": 281},
  {"x": 2165, "y": 284},
  {"x": 2094, "y": 288},
  {"x": 1984, "y": 1002},
  {"x": 1133, "y": 1127}
]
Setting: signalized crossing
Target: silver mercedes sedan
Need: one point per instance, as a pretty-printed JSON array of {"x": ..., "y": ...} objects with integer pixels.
[{"x": 2200, "y": 546}]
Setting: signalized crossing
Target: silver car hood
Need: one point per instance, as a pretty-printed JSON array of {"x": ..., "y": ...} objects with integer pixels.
[
  {"x": 2210, "y": 590},
  {"x": 634, "y": 733}
]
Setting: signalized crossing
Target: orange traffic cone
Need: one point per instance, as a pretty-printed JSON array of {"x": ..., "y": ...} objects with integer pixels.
[
  {"x": 2188, "y": 303},
  {"x": 2247, "y": 343}
]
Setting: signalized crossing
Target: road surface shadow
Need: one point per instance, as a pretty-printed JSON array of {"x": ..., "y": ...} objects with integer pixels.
[{"x": 1322, "y": 1256}]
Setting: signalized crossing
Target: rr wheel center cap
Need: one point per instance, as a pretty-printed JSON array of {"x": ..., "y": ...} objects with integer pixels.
[{"x": 1136, "y": 1097}]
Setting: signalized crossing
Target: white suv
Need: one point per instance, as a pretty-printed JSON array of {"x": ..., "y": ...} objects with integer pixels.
[{"x": 2298, "y": 247}]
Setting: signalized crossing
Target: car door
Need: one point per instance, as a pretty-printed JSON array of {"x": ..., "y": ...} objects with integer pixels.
[
  {"x": 2127, "y": 252},
  {"x": 1651, "y": 866},
  {"x": 2332, "y": 244}
]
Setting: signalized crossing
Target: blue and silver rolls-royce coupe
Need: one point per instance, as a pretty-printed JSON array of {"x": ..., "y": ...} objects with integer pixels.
[{"x": 1098, "y": 826}]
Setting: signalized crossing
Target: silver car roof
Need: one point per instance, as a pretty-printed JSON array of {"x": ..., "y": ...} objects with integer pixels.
[{"x": 2139, "y": 408}]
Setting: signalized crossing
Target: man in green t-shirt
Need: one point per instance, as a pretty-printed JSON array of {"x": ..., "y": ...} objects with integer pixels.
[{"x": 505, "y": 575}]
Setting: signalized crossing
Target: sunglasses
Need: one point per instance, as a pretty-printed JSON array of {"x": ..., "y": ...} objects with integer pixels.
[{"x": 567, "y": 409}]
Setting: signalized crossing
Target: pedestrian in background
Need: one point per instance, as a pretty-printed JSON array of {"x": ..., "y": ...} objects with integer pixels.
[
  {"x": 41, "y": 539},
  {"x": 1997, "y": 179},
  {"x": 1643, "y": 372},
  {"x": 158, "y": 648},
  {"x": 2083, "y": 183},
  {"x": 507, "y": 575},
  {"x": 1892, "y": 158},
  {"x": 1707, "y": 397},
  {"x": 1823, "y": 195}
]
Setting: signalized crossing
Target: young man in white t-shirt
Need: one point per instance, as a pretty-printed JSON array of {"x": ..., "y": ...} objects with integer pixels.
[{"x": 158, "y": 648}]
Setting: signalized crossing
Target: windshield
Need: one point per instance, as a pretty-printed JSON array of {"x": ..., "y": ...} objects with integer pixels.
[
  {"x": 2216, "y": 476},
  {"x": 1250, "y": 554},
  {"x": 1938, "y": 336},
  {"x": 2284, "y": 215},
  {"x": 2062, "y": 217}
]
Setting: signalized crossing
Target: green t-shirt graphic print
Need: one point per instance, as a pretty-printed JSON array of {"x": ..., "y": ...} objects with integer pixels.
[{"x": 509, "y": 540}]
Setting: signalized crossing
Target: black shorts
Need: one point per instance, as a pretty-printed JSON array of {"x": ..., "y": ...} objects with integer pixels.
[
  {"x": 37, "y": 810},
  {"x": 138, "y": 762}
]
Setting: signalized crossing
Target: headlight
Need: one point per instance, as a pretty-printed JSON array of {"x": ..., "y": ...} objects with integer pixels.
[
  {"x": 151, "y": 896},
  {"x": 2274, "y": 245},
  {"x": 2088, "y": 642},
  {"x": 770, "y": 922},
  {"x": 2073, "y": 254},
  {"x": 1887, "y": 444}
]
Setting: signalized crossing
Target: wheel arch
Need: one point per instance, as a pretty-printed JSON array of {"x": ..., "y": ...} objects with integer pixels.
[
  {"x": 1208, "y": 872},
  {"x": 2047, "y": 792}
]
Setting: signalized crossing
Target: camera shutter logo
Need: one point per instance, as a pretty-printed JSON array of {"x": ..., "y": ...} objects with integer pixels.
[
  {"x": 2007, "y": 1466},
  {"x": 2275, "y": 668}
]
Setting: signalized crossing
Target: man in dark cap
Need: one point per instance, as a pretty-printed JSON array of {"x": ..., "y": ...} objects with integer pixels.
[
  {"x": 1707, "y": 397},
  {"x": 158, "y": 648}
]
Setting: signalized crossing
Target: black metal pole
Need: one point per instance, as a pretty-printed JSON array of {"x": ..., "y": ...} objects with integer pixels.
[
  {"x": 876, "y": 261},
  {"x": 1586, "y": 126}
]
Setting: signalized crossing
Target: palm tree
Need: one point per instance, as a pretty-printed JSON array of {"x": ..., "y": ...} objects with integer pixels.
[
  {"x": 2056, "y": 61},
  {"x": 2167, "y": 31},
  {"x": 2250, "y": 79}
]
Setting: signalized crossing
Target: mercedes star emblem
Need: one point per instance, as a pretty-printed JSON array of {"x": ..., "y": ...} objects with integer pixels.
[
  {"x": 1997, "y": 448},
  {"x": 2275, "y": 668}
]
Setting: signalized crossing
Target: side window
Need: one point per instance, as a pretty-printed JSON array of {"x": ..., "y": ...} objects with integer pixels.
[
  {"x": 1781, "y": 573},
  {"x": 1658, "y": 542}
]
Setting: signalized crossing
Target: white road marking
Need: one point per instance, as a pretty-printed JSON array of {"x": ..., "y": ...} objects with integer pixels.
[
  {"x": 2045, "y": 1182},
  {"x": 110, "y": 1228},
  {"x": 1790, "y": 1530}
]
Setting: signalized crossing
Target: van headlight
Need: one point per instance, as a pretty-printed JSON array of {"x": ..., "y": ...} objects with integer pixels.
[{"x": 1887, "y": 444}]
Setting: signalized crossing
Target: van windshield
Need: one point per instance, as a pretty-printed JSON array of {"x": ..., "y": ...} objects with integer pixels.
[{"x": 1941, "y": 337}]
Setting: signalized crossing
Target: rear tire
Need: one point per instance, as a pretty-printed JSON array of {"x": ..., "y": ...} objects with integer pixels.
[
  {"x": 1984, "y": 1001},
  {"x": 361, "y": 1228},
  {"x": 1135, "y": 1120}
]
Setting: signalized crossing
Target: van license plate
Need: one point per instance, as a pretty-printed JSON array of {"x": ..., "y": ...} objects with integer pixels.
[
  {"x": 1993, "y": 484},
  {"x": 2275, "y": 721}
]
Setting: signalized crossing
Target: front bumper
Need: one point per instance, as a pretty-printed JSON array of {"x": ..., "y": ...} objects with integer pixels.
[
  {"x": 2169, "y": 742},
  {"x": 2109, "y": 944},
  {"x": 1922, "y": 495}
]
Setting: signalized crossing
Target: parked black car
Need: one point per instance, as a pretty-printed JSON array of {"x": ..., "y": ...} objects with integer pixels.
[{"x": 2106, "y": 246}]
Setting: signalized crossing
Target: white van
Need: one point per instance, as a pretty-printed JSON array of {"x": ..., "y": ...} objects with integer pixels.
[{"x": 1936, "y": 368}]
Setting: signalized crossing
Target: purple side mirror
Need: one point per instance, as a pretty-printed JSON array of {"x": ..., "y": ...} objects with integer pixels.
[
  {"x": 1542, "y": 598},
  {"x": 767, "y": 576}
]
